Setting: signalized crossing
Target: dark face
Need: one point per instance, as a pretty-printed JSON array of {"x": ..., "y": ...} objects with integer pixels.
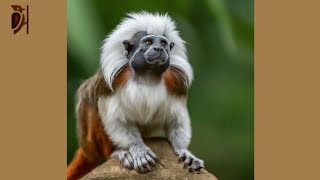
[{"x": 148, "y": 54}]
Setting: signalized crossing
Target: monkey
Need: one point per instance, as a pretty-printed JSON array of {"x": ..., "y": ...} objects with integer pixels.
[{"x": 141, "y": 87}]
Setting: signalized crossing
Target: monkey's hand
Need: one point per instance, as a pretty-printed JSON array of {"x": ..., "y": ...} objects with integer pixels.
[
  {"x": 190, "y": 160},
  {"x": 140, "y": 157}
]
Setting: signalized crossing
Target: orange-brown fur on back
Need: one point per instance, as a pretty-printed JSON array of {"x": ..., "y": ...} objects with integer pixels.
[{"x": 94, "y": 144}]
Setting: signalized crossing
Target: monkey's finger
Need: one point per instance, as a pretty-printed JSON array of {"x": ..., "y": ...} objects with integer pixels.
[
  {"x": 150, "y": 160},
  {"x": 135, "y": 165},
  {"x": 140, "y": 167},
  {"x": 127, "y": 164},
  {"x": 188, "y": 161},
  {"x": 195, "y": 169},
  {"x": 148, "y": 168},
  {"x": 122, "y": 155},
  {"x": 153, "y": 155},
  {"x": 144, "y": 161},
  {"x": 121, "y": 158},
  {"x": 196, "y": 165},
  {"x": 130, "y": 159},
  {"x": 182, "y": 157}
]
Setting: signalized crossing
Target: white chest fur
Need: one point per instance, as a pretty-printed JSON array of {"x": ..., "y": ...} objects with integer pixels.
[
  {"x": 136, "y": 102},
  {"x": 144, "y": 103}
]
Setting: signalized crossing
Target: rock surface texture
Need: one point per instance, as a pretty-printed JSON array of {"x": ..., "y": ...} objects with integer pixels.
[{"x": 167, "y": 168}]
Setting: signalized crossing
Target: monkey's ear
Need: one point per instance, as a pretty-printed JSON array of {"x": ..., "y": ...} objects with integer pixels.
[
  {"x": 171, "y": 45},
  {"x": 127, "y": 45}
]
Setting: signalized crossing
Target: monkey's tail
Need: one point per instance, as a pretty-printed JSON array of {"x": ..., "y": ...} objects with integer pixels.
[{"x": 80, "y": 165}]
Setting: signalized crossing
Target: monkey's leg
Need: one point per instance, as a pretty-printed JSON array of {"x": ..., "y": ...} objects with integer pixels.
[
  {"x": 133, "y": 152},
  {"x": 179, "y": 134},
  {"x": 79, "y": 166}
]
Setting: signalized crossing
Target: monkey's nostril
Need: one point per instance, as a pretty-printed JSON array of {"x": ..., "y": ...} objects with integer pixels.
[{"x": 156, "y": 48}]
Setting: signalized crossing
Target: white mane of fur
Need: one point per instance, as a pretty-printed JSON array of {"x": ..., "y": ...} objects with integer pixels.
[{"x": 112, "y": 58}]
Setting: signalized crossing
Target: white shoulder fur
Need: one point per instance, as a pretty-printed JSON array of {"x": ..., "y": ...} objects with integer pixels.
[{"x": 112, "y": 58}]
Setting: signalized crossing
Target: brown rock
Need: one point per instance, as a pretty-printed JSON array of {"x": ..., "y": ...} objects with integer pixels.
[{"x": 168, "y": 167}]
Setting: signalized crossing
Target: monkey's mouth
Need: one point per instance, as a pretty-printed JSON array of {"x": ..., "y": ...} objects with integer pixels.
[
  {"x": 155, "y": 66},
  {"x": 157, "y": 58},
  {"x": 156, "y": 61}
]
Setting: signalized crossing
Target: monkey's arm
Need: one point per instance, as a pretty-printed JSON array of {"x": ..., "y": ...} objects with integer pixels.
[
  {"x": 132, "y": 151},
  {"x": 179, "y": 134}
]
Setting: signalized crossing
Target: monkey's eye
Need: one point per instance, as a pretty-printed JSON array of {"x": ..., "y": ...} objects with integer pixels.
[
  {"x": 148, "y": 42},
  {"x": 163, "y": 43}
]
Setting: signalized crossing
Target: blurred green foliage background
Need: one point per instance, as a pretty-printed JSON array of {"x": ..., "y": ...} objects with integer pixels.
[{"x": 220, "y": 36}]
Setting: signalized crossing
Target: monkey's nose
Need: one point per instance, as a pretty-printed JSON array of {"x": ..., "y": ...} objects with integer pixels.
[{"x": 158, "y": 48}]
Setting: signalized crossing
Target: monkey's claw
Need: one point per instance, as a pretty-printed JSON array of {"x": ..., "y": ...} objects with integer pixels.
[
  {"x": 143, "y": 158},
  {"x": 190, "y": 160}
]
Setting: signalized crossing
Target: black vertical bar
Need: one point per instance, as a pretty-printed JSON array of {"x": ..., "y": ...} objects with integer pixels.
[{"x": 27, "y": 19}]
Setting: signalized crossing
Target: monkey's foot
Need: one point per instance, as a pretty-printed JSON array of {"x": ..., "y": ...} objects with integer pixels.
[
  {"x": 143, "y": 158},
  {"x": 190, "y": 160}
]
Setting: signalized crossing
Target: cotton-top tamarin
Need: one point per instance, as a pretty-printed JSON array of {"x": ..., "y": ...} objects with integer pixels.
[{"x": 140, "y": 88}]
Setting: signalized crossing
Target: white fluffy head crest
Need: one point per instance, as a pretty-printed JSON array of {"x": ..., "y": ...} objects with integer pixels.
[{"x": 113, "y": 59}]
